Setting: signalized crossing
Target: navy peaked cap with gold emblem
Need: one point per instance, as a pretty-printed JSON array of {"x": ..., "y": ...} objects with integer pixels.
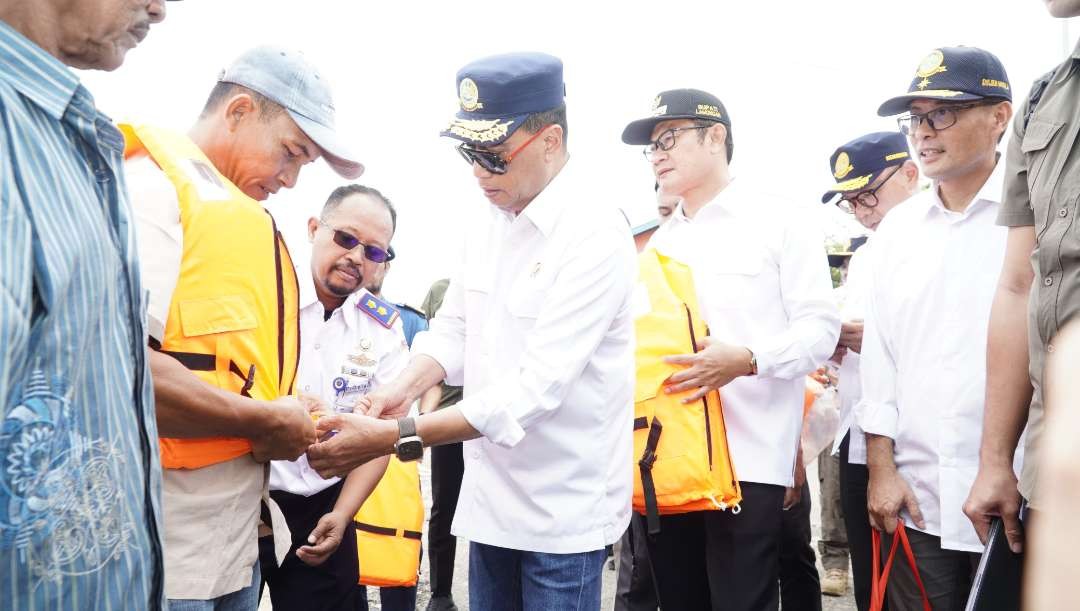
[
  {"x": 959, "y": 74},
  {"x": 679, "y": 104},
  {"x": 383, "y": 312},
  {"x": 496, "y": 94},
  {"x": 858, "y": 163}
]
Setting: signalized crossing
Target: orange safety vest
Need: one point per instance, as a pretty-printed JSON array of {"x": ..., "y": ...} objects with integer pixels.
[
  {"x": 684, "y": 464},
  {"x": 389, "y": 527},
  {"x": 233, "y": 319}
]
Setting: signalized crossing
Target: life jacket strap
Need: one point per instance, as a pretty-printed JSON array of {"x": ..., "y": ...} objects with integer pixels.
[
  {"x": 645, "y": 465},
  {"x": 389, "y": 532}
]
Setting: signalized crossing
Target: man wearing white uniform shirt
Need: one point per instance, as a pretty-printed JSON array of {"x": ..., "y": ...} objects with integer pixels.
[
  {"x": 934, "y": 266},
  {"x": 348, "y": 347},
  {"x": 874, "y": 173},
  {"x": 537, "y": 324},
  {"x": 763, "y": 287}
]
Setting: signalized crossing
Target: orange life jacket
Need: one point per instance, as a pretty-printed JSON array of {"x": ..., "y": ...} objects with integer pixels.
[
  {"x": 389, "y": 526},
  {"x": 233, "y": 319},
  {"x": 684, "y": 463}
]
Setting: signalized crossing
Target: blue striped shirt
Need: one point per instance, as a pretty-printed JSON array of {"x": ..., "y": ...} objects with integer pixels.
[{"x": 80, "y": 479}]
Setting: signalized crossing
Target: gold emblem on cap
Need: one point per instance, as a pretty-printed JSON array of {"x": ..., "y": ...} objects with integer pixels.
[
  {"x": 469, "y": 95},
  {"x": 658, "y": 109},
  {"x": 930, "y": 65},
  {"x": 709, "y": 110},
  {"x": 479, "y": 130},
  {"x": 843, "y": 166}
]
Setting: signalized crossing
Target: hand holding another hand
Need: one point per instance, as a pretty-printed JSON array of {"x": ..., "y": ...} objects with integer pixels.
[
  {"x": 358, "y": 439},
  {"x": 284, "y": 429}
]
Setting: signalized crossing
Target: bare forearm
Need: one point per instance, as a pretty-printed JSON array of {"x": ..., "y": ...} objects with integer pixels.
[
  {"x": 879, "y": 454},
  {"x": 422, "y": 373},
  {"x": 430, "y": 399},
  {"x": 445, "y": 426},
  {"x": 1008, "y": 387},
  {"x": 359, "y": 484},
  {"x": 188, "y": 407}
]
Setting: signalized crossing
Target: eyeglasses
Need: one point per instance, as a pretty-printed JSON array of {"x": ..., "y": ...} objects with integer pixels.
[
  {"x": 494, "y": 162},
  {"x": 866, "y": 199},
  {"x": 348, "y": 241},
  {"x": 939, "y": 118},
  {"x": 666, "y": 141}
]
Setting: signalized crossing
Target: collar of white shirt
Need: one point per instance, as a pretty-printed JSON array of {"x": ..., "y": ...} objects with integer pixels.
[
  {"x": 988, "y": 195},
  {"x": 545, "y": 209},
  {"x": 728, "y": 200},
  {"x": 309, "y": 298}
]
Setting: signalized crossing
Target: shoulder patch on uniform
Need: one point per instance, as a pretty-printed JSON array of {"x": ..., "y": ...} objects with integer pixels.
[
  {"x": 383, "y": 312},
  {"x": 417, "y": 311}
]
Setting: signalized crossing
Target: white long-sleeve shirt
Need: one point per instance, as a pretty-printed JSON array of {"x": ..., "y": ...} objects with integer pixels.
[
  {"x": 849, "y": 389},
  {"x": 537, "y": 327},
  {"x": 341, "y": 358},
  {"x": 932, "y": 280},
  {"x": 762, "y": 281}
]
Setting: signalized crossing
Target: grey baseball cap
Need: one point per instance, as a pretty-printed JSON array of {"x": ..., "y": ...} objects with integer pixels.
[{"x": 286, "y": 77}]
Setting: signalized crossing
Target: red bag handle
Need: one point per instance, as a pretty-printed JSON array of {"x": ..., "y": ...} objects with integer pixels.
[{"x": 880, "y": 578}]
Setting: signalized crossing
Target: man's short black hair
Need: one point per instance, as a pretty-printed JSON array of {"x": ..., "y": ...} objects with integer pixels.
[
  {"x": 339, "y": 194},
  {"x": 727, "y": 135},
  {"x": 222, "y": 91},
  {"x": 539, "y": 120}
]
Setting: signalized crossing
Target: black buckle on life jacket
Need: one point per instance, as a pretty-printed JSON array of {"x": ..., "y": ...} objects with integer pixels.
[
  {"x": 249, "y": 379},
  {"x": 648, "y": 488},
  {"x": 648, "y": 458}
]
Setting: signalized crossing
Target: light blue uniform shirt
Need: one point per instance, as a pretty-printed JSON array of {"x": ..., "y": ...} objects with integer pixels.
[{"x": 80, "y": 479}]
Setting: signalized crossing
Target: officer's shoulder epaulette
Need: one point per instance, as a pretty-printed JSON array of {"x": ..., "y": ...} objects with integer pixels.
[
  {"x": 383, "y": 312},
  {"x": 417, "y": 311}
]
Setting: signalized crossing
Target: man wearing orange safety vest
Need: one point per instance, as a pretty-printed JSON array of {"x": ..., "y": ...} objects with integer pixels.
[
  {"x": 761, "y": 283},
  {"x": 222, "y": 313}
]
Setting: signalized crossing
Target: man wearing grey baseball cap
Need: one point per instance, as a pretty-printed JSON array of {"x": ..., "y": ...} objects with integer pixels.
[{"x": 222, "y": 314}]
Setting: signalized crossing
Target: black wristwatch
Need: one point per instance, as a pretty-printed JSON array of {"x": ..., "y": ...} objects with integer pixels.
[{"x": 409, "y": 446}]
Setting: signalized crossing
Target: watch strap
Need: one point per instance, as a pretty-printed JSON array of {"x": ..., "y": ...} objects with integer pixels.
[{"x": 406, "y": 427}]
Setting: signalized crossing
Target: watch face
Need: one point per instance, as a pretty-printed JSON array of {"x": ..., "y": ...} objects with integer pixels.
[{"x": 410, "y": 449}]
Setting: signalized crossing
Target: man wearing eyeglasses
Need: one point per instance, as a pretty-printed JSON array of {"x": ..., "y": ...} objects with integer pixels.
[
  {"x": 537, "y": 324},
  {"x": 351, "y": 342},
  {"x": 763, "y": 287},
  {"x": 933, "y": 270},
  {"x": 874, "y": 173},
  {"x": 222, "y": 314}
]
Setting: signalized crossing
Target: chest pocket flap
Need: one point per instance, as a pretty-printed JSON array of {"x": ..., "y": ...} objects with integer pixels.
[
  {"x": 215, "y": 315},
  {"x": 1039, "y": 134}
]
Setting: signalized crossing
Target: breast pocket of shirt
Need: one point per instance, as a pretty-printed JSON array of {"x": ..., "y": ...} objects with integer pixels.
[
  {"x": 1044, "y": 168},
  {"x": 733, "y": 281},
  {"x": 477, "y": 290},
  {"x": 527, "y": 295}
]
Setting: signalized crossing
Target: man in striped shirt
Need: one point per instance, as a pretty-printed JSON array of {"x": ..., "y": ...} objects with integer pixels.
[{"x": 79, "y": 474}]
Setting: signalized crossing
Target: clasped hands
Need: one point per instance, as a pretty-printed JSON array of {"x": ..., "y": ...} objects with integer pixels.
[{"x": 347, "y": 441}]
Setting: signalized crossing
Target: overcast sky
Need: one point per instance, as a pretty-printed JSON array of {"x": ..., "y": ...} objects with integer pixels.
[{"x": 798, "y": 79}]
